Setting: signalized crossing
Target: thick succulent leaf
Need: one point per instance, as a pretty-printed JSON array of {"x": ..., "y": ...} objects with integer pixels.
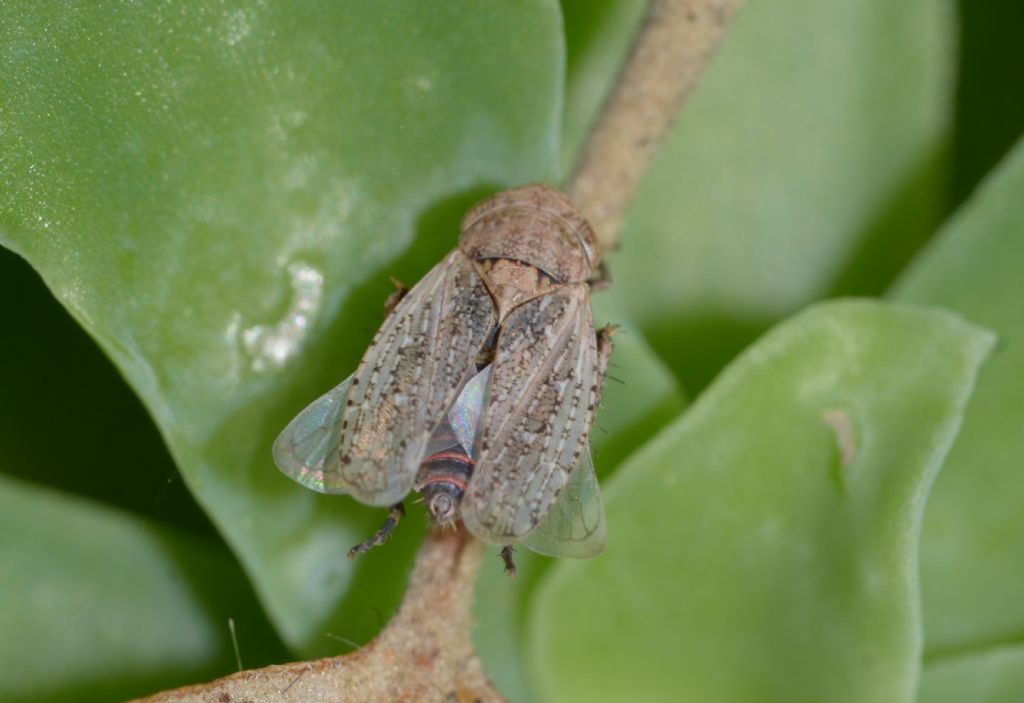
[
  {"x": 762, "y": 547},
  {"x": 98, "y": 605},
  {"x": 972, "y": 551},
  {"x": 995, "y": 676},
  {"x": 217, "y": 194},
  {"x": 643, "y": 398},
  {"x": 807, "y": 162}
]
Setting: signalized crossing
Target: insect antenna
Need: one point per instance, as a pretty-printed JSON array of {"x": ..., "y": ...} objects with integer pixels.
[
  {"x": 614, "y": 378},
  {"x": 601, "y": 428}
]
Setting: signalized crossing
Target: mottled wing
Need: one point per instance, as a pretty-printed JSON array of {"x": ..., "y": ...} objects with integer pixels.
[
  {"x": 575, "y": 525},
  {"x": 543, "y": 389},
  {"x": 409, "y": 377},
  {"x": 307, "y": 450}
]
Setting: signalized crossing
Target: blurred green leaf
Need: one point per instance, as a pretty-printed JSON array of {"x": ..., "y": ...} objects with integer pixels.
[
  {"x": 972, "y": 551},
  {"x": 48, "y": 363},
  {"x": 989, "y": 120},
  {"x": 642, "y": 398},
  {"x": 808, "y": 162},
  {"x": 762, "y": 547},
  {"x": 640, "y": 394},
  {"x": 987, "y": 677},
  {"x": 217, "y": 193},
  {"x": 98, "y": 605}
]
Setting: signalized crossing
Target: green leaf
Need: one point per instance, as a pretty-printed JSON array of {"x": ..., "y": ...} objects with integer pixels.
[
  {"x": 972, "y": 568},
  {"x": 644, "y": 398},
  {"x": 762, "y": 547},
  {"x": 808, "y": 162},
  {"x": 98, "y": 605},
  {"x": 987, "y": 677},
  {"x": 217, "y": 194}
]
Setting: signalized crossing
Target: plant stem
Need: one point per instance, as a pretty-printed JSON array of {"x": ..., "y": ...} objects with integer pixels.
[
  {"x": 670, "y": 51},
  {"x": 424, "y": 653}
]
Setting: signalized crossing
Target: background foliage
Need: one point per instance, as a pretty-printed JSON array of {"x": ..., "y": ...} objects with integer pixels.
[{"x": 212, "y": 198}]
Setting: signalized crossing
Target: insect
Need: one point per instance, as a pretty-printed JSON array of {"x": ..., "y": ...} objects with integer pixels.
[{"x": 479, "y": 389}]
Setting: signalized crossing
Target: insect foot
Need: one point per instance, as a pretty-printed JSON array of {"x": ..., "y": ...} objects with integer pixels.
[
  {"x": 400, "y": 291},
  {"x": 506, "y": 556},
  {"x": 604, "y": 337},
  {"x": 602, "y": 279},
  {"x": 395, "y": 513}
]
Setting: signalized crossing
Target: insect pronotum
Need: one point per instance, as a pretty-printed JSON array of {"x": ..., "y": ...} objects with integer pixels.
[{"x": 479, "y": 389}]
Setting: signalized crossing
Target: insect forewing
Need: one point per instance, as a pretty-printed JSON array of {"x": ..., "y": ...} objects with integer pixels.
[
  {"x": 533, "y": 432},
  {"x": 409, "y": 377},
  {"x": 307, "y": 449},
  {"x": 575, "y": 526}
]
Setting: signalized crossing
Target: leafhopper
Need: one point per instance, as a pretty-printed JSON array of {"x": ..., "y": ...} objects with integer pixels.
[{"x": 479, "y": 389}]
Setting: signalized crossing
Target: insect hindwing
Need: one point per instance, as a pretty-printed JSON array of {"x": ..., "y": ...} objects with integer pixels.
[
  {"x": 307, "y": 450},
  {"x": 575, "y": 525}
]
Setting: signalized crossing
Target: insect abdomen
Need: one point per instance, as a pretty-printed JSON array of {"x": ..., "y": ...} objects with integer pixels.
[{"x": 444, "y": 475}]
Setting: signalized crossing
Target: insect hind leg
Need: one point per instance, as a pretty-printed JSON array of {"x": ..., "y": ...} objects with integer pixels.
[
  {"x": 395, "y": 513},
  {"x": 506, "y": 556}
]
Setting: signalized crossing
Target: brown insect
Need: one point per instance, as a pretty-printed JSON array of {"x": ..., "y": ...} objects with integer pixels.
[{"x": 479, "y": 389}]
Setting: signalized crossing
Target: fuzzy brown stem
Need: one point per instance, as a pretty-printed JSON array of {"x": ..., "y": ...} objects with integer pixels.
[
  {"x": 668, "y": 55},
  {"x": 424, "y": 653}
]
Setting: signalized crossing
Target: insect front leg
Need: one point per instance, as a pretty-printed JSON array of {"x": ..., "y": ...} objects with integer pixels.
[
  {"x": 400, "y": 291},
  {"x": 604, "y": 354},
  {"x": 602, "y": 279},
  {"x": 395, "y": 513},
  {"x": 604, "y": 348}
]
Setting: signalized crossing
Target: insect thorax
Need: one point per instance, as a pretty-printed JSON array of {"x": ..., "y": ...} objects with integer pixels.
[
  {"x": 512, "y": 283},
  {"x": 535, "y": 225}
]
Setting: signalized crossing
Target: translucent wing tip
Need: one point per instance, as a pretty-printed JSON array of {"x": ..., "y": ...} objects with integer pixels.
[
  {"x": 306, "y": 450},
  {"x": 575, "y": 527}
]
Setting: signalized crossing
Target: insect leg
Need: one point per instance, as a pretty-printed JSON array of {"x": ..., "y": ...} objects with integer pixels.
[
  {"x": 604, "y": 346},
  {"x": 395, "y": 513},
  {"x": 400, "y": 291},
  {"x": 602, "y": 279},
  {"x": 506, "y": 556}
]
